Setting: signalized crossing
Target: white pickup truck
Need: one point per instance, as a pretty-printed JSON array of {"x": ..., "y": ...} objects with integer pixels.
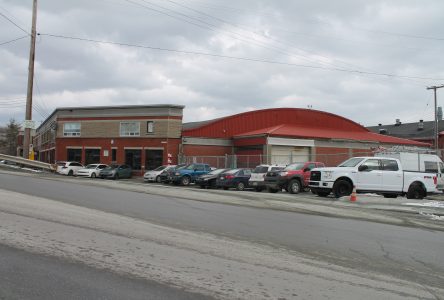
[{"x": 422, "y": 174}]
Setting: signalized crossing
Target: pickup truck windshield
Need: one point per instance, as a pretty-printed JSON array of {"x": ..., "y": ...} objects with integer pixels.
[
  {"x": 352, "y": 162},
  {"x": 294, "y": 167}
]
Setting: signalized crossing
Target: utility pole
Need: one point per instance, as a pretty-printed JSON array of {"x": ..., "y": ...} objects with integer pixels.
[
  {"x": 434, "y": 88},
  {"x": 28, "y": 115}
]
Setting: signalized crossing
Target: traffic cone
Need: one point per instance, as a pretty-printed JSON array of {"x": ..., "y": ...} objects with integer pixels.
[{"x": 353, "y": 197}]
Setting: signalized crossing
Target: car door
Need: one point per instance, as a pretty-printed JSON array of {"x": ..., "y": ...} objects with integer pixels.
[
  {"x": 392, "y": 177},
  {"x": 246, "y": 177},
  {"x": 370, "y": 177},
  {"x": 440, "y": 175}
]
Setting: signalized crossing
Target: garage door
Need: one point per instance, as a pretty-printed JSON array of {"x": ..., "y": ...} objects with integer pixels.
[{"x": 284, "y": 155}]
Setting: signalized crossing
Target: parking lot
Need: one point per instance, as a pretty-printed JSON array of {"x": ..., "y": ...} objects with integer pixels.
[{"x": 399, "y": 211}]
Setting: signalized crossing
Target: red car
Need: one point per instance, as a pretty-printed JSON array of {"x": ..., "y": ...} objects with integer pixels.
[{"x": 294, "y": 178}]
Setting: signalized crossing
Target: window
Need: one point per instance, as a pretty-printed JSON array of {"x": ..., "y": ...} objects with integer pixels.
[
  {"x": 372, "y": 164},
  {"x": 71, "y": 129},
  {"x": 389, "y": 165},
  {"x": 130, "y": 129},
  {"x": 431, "y": 166},
  {"x": 247, "y": 172},
  {"x": 150, "y": 126},
  {"x": 92, "y": 156},
  {"x": 311, "y": 166},
  {"x": 74, "y": 154}
]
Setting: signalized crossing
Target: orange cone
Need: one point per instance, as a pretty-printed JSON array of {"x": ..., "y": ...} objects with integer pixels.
[{"x": 353, "y": 197}]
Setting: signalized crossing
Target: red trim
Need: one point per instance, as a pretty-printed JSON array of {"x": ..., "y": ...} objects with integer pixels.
[{"x": 121, "y": 118}]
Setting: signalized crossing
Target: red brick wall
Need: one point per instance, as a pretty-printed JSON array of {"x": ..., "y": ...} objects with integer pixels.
[
  {"x": 199, "y": 150},
  {"x": 171, "y": 147},
  {"x": 330, "y": 156}
]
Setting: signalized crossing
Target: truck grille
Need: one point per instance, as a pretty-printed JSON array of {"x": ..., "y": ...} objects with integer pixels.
[{"x": 315, "y": 176}]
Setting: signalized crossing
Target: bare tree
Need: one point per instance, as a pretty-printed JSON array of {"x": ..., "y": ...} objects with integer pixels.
[{"x": 8, "y": 145}]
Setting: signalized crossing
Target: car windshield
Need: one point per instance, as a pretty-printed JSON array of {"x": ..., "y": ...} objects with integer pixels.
[
  {"x": 260, "y": 169},
  {"x": 294, "y": 167},
  {"x": 159, "y": 168},
  {"x": 91, "y": 167},
  {"x": 352, "y": 162},
  {"x": 232, "y": 171},
  {"x": 191, "y": 167},
  {"x": 217, "y": 171}
]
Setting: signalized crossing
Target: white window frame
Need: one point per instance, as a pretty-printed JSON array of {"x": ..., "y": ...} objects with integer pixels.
[
  {"x": 72, "y": 132},
  {"x": 125, "y": 132},
  {"x": 148, "y": 123}
]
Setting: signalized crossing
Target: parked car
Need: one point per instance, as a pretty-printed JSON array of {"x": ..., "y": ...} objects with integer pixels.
[
  {"x": 116, "y": 172},
  {"x": 209, "y": 180},
  {"x": 91, "y": 170},
  {"x": 188, "y": 174},
  {"x": 69, "y": 168},
  {"x": 387, "y": 176},
  {"x": 293, "y": 178},
  {"x": 168, "y": 175},
  {"x": 257, "y": 179},
  {"x": 236, "y": 178},
  {"x": 154, "y": 175}
]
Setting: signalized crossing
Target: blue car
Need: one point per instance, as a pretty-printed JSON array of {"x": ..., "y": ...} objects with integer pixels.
[{"x": 187, "y": 175}]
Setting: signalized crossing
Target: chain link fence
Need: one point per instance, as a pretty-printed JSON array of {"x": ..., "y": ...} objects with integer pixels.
[{"x": 251, "y": 161}]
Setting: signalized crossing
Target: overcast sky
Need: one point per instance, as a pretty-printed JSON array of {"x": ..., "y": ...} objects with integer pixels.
[{"x": 261, "y": 54}]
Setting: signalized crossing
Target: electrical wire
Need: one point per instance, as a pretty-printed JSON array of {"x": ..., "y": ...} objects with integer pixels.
[
  {"x": 14, "y": 40},
  {"x": 15, "y": 24},
  {"x": 390, "y": 75}
]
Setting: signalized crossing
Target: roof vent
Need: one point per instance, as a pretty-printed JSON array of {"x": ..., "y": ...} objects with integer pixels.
[
  {"x": 382, "y": 131},
  {"x": 421, "y": 125},
  {"x": 398, "y": 122},
  {"x": 379, "y": 124}
]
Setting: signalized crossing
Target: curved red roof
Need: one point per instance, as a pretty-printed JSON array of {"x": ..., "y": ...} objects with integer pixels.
[{"x": 291, "y": 122}]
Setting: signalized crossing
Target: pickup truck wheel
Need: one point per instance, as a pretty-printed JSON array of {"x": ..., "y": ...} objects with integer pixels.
[
  {"x": 294, "y": 186},
  {"x": 342, "y": 188},
  {"x": 185, "y": 180},
  {"x": 390, "y": 195},
  {"x": 240, "y": 186},
  {"x": 415, "y": 192},
  {"x": 258, "y": 189}
]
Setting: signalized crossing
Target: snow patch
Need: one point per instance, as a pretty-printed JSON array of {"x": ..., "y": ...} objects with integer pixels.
[{"x": 437, "y": 204}]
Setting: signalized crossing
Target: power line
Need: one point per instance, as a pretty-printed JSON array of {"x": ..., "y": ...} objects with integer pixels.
[
  {"x": 14, "y": 40},
  {"x": 240, "y": 58},
  {"x": 15, "y": 24}
]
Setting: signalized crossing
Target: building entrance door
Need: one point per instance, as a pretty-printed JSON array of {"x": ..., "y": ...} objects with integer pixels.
[
  {"x": 133, "y": 158},
  {"x": 153, "y": 159}
]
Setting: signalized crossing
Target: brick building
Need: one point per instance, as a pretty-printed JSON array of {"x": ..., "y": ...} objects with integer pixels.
[
  {"x": 282, "y": 136},
  {"x": 141, "y": 136}
]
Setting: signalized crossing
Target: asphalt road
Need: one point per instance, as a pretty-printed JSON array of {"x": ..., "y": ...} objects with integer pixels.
[
  {"x": 25, "y": 275},
  {"x": 407, "y": 253}
]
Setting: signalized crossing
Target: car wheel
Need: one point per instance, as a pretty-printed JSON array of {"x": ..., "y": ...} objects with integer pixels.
[
  {"x": 158, "y": 179},
  {"x": 258, "y": 189},
  {"x": 185, "y": 180},
  {"x": 225, "y": 188},
  {"x": 202, "y": 186},
  {"x": 212, "y": 184},
  {"x": 294, "y": 187},
  {"x": 342, "y": 188},
  {"x": 93, "y": 175},
  {"x": 116, "y": 176},
  {"x": 415, "y": 192},
  {"x": 70, "y": 173},
  {"x": 240, "y": 186}
]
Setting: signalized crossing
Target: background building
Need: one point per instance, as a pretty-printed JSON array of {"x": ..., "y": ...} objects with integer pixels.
[
  {"x": 140, "y": 136},
  {"x": 281, "y": 136}
]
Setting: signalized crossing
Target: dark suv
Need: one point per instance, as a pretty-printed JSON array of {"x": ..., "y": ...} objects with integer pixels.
[{"x": 294, "y": 178}]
